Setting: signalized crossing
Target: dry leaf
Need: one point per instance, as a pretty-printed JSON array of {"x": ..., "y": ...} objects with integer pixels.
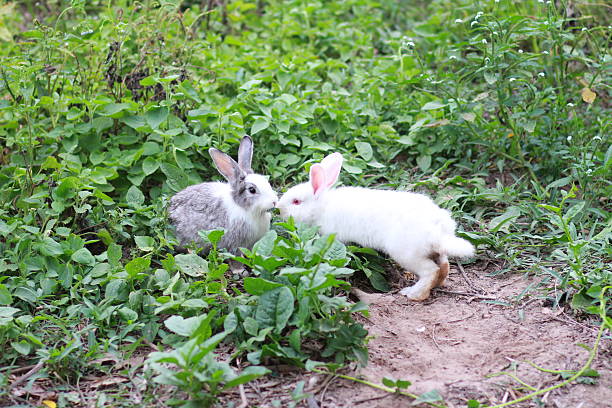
[
  {"x": 106, "y": 381},
  {"x": 481, "y": 96},
  {"x": 469, "y": 116},
  {"x": 587, "y": 95},
  {"x": 50, "y": 404},
  {"x": 442, "y": 122}
]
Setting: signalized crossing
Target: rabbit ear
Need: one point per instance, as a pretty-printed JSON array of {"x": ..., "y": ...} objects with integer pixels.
[
  {"x": 225, "y": 164},
  {"x": 317, "y": 178},
  {"x": 332, "y": 164},
  {"x": 245, "y": 154}
]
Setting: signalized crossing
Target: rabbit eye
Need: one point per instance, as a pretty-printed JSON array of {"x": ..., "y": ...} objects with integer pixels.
[
  {"x": 252, "y": 190},
  {"x": 296, "y": 201}
]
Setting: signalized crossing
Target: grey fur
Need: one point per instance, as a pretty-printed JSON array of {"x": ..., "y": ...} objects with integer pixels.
[
  {"x": 245, "y": 155},
  {"x": 241, "y": 194},
  {"x": 201, "y": 207},
  {"x": 195, "y": 209}
]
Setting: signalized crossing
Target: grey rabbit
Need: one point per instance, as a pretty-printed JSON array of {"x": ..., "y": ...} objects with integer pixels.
[{"x": 240, "y": 206}]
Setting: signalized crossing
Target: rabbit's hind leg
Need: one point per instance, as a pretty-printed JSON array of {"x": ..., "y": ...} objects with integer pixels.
[
  {"x": 428, "y": 272},
  {"x": 443, "y": 269}
]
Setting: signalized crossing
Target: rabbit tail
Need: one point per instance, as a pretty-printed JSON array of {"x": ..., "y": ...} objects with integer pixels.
[
  {"x": 448, "y": 243},
  {"x": 454, "y": 246}
]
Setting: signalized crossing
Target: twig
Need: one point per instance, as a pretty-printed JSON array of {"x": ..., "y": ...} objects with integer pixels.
[
  {"x": 462, "y": 319},
  {"x": 243, "y": 397},
  {"x": 361, "y": 401},
  {"x": 467, "y": 280},
  {"x": 27, "y": 375},
  {"x": 327, "y": 384},
  {"x": 475, "y": 295},
  {"x": 18, "y": 369},
  {"x": 433, "y": 337},
  {"x": 377, "y": 386},
  {"x": 255, "y": 388},
  {"x": 151, "y": 344}
]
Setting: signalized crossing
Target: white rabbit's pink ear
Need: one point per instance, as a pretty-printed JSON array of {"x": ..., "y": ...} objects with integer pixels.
[
  {"x": 332, "y": 164},
  {"x": 317, "y": 178}
]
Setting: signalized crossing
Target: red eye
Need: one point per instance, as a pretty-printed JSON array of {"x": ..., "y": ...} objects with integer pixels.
[{"x": 296, "y": 202}]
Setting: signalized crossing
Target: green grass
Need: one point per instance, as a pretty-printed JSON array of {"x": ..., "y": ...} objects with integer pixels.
[{"x": 499, "y": 110}]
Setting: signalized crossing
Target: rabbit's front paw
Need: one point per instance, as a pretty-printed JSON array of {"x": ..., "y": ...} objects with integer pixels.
[{"x": 238, "y": 270}]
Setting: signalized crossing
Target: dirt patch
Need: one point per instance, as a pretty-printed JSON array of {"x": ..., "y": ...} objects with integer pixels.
[{"x": 453, "y": 342}]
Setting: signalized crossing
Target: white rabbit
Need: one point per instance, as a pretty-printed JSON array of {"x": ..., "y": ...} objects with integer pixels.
[{"x": 409, "y": 227}]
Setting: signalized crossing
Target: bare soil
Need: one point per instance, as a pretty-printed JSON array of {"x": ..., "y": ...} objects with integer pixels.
[{"x": 456, "y": 342}]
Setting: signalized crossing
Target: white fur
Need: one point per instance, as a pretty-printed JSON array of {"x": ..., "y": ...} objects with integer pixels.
[
  {"x": 409, "y": 227},
  {"x": 257, "y": 216}
]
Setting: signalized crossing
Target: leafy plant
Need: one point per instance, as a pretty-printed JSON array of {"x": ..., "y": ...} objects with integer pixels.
[{"x": 293, "y": 299}]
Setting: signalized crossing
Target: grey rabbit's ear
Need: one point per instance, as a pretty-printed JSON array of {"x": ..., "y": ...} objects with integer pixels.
[
  {"x": 245, "y": 154},
  {"x": 226, "y": 165}
]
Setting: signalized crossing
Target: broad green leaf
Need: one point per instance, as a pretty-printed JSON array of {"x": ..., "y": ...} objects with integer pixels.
[
  {"x": 134, "y": 197},
  {"x": 23, "y": 347},
  {"x": 49, "y": 247},
  {"x": 144, "y": 243},
  {"x": 258, "y": 286},
  {"x": 137, "y": 266},
  {"x": 251, "y": 326},
  {"x": 528, "y": 125},
  {"x": 184, "y": 327},
  {"x": 388, "y": 382},
  {"x": 66, "y": 189},
  {"x": 176, "y": 178},
  {"x": 265, "y": 244},
  {"x": 83, "y": 256},
  {"x": 114, "y": 254},
  {"x": 274, "y": 308},
  {"x": 192, "y": 265},
  {"x": 127, "y": 314},
  {"x": 116, "y": 290},
  {"x": 113, "y": 109},
  {"x": 573, "y": 211},
  {"x": 101, "y": 123},
  {"x": 378, "y": 281},
  {"x": 562, "y": 182},
  {"x": 433, "y": 105},
  {"x": 250, "y": 84},
  {"x": 581, "y": 301},
  {"x": 365, "y": 150},
  {"x": 337, "y": 250},
  {"x": 502, "y": 222},
  {"x": 5, "y": 295},
  {"x": 261, "y": 123},
  {"x": 215, "y": 236},
  {"x": 424, "y": 162},
  {"x": 134, "y": 121},
  {"x": 156, "y": 116},
  {"x": 150, "y": 165}
]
